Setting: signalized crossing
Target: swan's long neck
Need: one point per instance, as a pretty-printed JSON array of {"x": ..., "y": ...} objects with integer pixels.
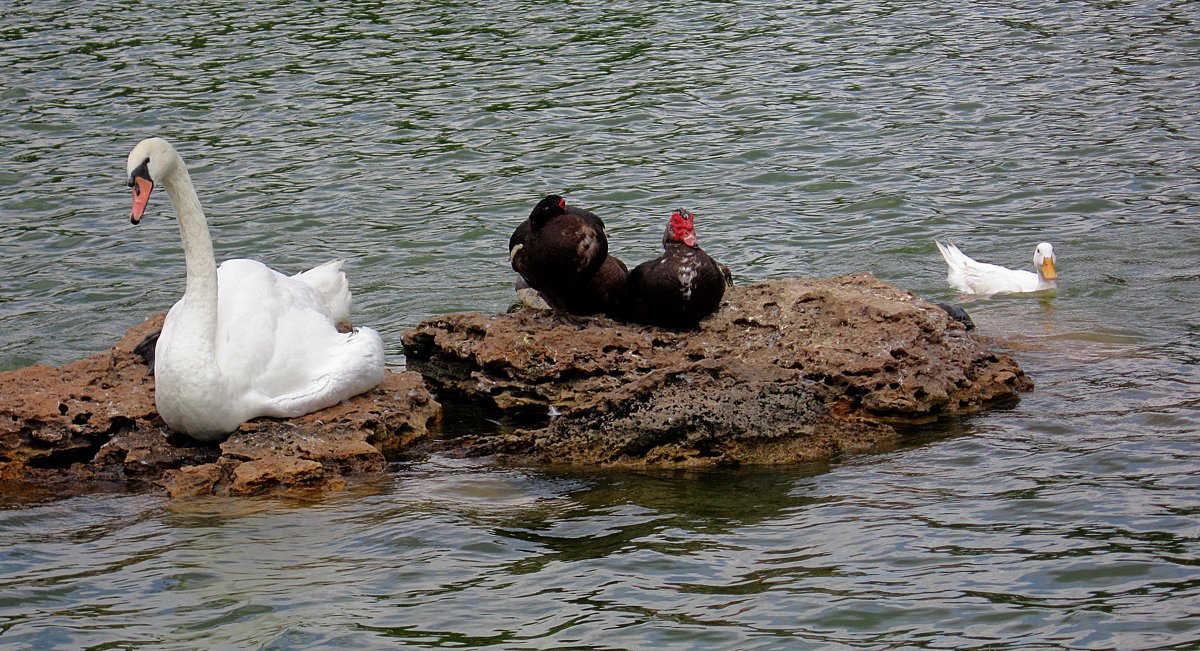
[{"x": 200, "y": 294}]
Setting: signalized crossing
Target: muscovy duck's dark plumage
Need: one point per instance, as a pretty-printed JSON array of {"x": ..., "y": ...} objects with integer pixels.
[
  {"x": 562, "y": 252},
  {"x": 607, "y": 285},
  {"x": 679, "y": 288}
]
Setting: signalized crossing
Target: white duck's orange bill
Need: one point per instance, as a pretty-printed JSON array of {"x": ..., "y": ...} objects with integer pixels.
[{"x": 1048, "y": 270}]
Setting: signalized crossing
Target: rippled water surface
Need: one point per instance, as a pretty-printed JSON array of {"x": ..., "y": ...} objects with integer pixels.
[{"x": 811, "y": 140}]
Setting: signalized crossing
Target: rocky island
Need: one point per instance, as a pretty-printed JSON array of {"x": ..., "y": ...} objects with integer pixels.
[
  {"x": 94, "y": 421},
  {"x": 787, "y": 370}
]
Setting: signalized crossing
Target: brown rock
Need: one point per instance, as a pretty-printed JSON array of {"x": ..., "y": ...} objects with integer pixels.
[
  {"x": 260, "y": 476},
  {"x": 195, "y": 480},
  {"x": 51, "y": 418},
  {"x": 95, "y": 420},
  {"x": 786, "y": 370},
  {"x": 708, "y": 412}
]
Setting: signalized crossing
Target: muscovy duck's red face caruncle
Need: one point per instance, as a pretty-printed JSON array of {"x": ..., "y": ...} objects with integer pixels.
[{"x": 683, "y": 227}]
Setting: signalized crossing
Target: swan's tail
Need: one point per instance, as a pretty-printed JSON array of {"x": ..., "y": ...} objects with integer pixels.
[{"x": 330, "y": 282}]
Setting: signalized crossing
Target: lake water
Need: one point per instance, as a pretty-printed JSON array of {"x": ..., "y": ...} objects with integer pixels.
[{"x": 816, "y": 140}]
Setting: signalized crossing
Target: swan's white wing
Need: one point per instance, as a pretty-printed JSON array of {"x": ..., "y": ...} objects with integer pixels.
[
  {"x": 277, "y": 340},
  {"x": 251, "y": 301},
  {"x": 353, "y": 364},
  {"x": 330, "y": 282}
]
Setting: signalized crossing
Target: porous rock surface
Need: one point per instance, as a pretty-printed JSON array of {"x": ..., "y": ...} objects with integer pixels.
[
  {"x": 786, "y": 371},
  {"x": 95, "y": 420}
]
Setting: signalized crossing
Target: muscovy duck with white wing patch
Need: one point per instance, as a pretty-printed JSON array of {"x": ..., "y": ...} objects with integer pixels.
[{"x": 679, "y": 288}]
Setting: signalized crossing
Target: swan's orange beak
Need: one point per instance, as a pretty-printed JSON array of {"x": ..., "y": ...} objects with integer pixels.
[
  {"x": 1048, "y": 270},
  {"x": 142, "y": 187}
]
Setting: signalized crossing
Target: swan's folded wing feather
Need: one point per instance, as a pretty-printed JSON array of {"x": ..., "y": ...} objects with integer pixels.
[
  {"x": 331, "y": 284},
  {"x": 352, "y": 365}
]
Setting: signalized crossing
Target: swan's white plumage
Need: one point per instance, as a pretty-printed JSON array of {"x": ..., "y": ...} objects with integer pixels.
[
  {"x": 330, "y": 282},
  {"x": 246, "y": 341},
  {"x": 973, "y": 277}
]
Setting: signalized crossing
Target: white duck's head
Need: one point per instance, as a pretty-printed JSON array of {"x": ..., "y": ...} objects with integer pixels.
[
  {"x": 153, "y": 159},
  {"x": 1043, "y": 259}
]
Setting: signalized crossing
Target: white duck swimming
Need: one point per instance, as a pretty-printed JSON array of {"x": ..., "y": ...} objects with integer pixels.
[
  {"x": 246, "y": 341},
  {"x": 973, "y": 277}
]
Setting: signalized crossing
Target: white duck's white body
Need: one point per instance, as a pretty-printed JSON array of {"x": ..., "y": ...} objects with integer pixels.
[
  {"x": 246, "y": 341},
  {"x": 973, "y": 277}
]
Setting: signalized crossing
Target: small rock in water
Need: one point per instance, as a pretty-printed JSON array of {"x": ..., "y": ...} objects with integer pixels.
[{"x": 958, "y": 314}]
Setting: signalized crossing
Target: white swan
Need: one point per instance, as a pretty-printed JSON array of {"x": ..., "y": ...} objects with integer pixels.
[
  {"x": 972, "y": 277},
  {"x": 246, "y": 341}
]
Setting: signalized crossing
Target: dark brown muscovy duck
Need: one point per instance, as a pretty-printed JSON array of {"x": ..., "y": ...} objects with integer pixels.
[
  {"x": 562, "y": 252},
  {"x": 678, "y": 289}
]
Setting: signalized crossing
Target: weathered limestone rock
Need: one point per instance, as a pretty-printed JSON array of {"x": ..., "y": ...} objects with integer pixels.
[
  {"x": 95, "y": 420},
  {"x": 54, "y": 419},
  {"x": 787, "y": 370},
  {"x": 708, "y": 412}
]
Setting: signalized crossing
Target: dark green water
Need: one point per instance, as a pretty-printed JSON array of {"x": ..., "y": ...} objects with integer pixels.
[{"x": 811, "y": 140}]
